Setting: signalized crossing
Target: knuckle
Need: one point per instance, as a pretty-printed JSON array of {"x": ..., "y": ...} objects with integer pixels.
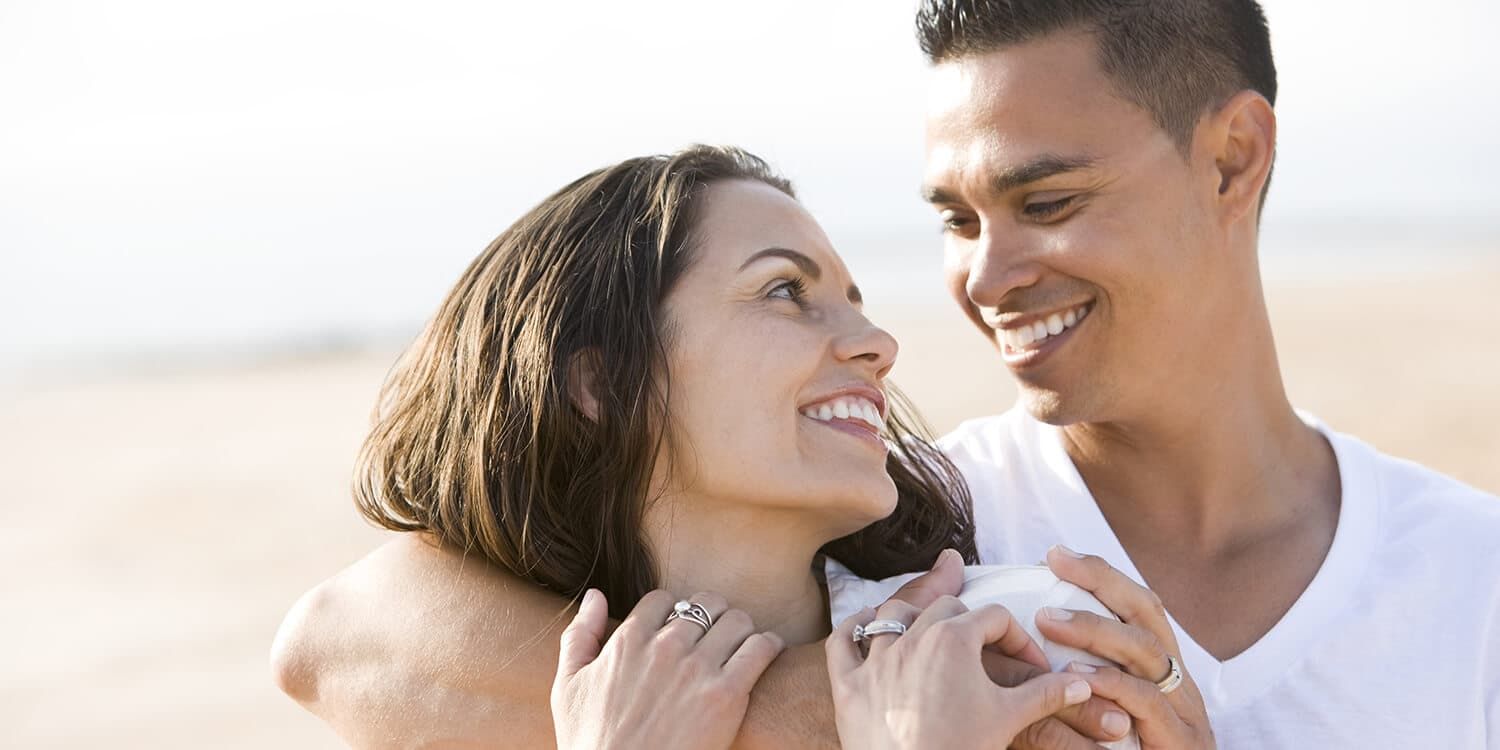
[
  {"x": 710, "y": 600},
  {"x": 736, "y": 619},
  {"x": 1045, "y": 733}
]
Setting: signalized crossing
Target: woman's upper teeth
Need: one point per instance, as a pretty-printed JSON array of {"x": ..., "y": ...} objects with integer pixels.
[
  {"x": 1032, "y": 335},
  {"x": 847, "y": 407}
]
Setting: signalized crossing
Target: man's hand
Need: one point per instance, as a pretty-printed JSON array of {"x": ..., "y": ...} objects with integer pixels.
[
  {"x": 1078, "y": 727},
  {"x": 1141, "y": 643}
]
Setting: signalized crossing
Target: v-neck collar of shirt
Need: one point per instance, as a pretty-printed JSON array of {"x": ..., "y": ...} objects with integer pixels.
[{"x": 1232, "y": 683}]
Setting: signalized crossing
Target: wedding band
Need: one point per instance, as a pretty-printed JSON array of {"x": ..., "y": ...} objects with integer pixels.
[
  {"x": 1173, "y": 680},
  {"x": 863, "y": 633},
  {"x": 692, "y": 612}
]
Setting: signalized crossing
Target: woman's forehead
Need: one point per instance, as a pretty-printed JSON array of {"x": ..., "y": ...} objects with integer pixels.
[{"x": 743, "y": 217}]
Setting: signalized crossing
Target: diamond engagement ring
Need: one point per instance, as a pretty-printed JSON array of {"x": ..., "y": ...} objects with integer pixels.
[
  {"x": 863, "y": 633},
  {"x": 692, "y": 612},
  {"x": 1173, "y": 680}
]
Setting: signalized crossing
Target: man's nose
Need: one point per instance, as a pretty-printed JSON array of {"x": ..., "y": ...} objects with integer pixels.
[{"x": 998, "y": 263}]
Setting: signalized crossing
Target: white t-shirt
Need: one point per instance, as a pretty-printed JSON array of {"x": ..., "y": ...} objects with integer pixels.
[{"x": 1394, "y": 644}]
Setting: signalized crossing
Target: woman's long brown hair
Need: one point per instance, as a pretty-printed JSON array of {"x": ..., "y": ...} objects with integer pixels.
[{"x": 478, "y": 441}]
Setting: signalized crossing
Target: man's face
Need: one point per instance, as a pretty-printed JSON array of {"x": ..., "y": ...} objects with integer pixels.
[{"x": 1078, "y": 237}]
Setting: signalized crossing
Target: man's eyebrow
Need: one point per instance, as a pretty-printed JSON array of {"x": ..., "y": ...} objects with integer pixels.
[
  {"x": 805, "y": 264},
  {"x": 1040, "y": 168}
]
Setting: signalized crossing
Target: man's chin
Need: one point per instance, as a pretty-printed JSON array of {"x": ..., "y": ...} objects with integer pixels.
[{"x": 1051, "y": 407}]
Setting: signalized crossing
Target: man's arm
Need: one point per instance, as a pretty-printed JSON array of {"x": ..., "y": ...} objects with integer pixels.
[{"x": 415, "y": 645}]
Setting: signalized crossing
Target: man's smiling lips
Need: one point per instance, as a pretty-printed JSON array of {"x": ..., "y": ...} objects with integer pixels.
[{"x": 1026, "y": 340}]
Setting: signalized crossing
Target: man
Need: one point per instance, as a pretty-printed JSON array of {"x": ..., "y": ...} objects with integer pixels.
[{"x": 1099, "y": 168}]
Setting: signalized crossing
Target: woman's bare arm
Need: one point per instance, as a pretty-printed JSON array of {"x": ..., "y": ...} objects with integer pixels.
[{"x": 414, "y": 645}]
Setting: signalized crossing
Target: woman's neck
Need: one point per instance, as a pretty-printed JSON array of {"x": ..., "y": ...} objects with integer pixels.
[{"x": 759, "y": 560}]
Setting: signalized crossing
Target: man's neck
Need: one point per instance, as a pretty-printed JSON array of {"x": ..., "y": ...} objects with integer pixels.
[
  {"x": 1224, "y": 500},
  {"x": 760, "y": 561},
  {"x": 1219, "y": 458}
]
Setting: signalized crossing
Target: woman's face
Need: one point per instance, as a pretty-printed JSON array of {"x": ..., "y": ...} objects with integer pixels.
[{"x": 776, "y": 394}]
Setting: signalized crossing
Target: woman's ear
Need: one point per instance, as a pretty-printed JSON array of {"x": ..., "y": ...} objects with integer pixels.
[{"x": 583, "y": 382}]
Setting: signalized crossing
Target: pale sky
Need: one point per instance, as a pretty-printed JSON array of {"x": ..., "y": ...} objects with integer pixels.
[{"x": 181, "y": 173}]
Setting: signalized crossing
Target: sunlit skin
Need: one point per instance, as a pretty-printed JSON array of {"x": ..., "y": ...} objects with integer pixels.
[
  {"x": 765, "y": 322},
  {"x": 1056, "y": 192}
]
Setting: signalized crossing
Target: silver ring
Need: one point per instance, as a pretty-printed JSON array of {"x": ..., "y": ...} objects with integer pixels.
[
  {"x": 863, "y": 633},
  {"x": 692, "y": 612},
  {"x": 1173, "y": 680}
]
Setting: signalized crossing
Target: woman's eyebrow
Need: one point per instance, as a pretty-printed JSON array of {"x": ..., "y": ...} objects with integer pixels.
[{"x": 805, "y": 264}]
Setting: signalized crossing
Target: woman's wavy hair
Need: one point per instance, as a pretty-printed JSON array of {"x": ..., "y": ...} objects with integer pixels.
[{"x": 478, "y": 441}]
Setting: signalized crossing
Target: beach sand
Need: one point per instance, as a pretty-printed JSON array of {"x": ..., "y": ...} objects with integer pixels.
[{"x": 159, "y": 524}]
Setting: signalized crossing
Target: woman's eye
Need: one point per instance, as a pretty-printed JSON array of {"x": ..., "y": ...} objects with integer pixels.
[
  {"x": 792, "y": 289},
  {"x": 1048, "y": 209}
]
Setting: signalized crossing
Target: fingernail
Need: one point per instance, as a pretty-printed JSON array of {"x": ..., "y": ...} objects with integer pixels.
[
  {"x": 590, "y": 596},
  {"x": 1078, "y": 666},
  {"x": 1056, "y": 614},
  {"x": 1077, "y": 692},
  {"x": 946, "y": 558},
  {"x": 1115, "y": 723},
  {"x": 1064, "y": 549},
  {"x": 776, "y": 640}
]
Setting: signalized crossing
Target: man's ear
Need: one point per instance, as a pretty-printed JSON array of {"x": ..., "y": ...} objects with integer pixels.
[
  {"x": 583, "y": 382},
  {"x": 1244, "y": 144}
]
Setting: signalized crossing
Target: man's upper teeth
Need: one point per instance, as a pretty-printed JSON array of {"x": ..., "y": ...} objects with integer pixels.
[
  {"x": 1037, "y": 332},
  {"x": 847, "y": 407}
]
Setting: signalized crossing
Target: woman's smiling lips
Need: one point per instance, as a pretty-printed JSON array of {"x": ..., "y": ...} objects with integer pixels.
[{"x": 855, "y": 410}]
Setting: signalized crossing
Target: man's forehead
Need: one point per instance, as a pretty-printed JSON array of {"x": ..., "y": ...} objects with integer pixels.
[{"x": 1000, "y": 111}]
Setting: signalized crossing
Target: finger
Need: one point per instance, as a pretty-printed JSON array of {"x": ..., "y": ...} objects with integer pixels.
[
  {"x": 994, "y": 627},
  {"x": 945, "y": 579},
  {"x": 1131, "y": 601},
  {"x": 757, "y": 652},
  {"x": 1052, "y": 734},
  {"x": 724, "y": 638},
  {"x": 1132, "y": 647},
  {"x": 584, "y": 636},
  {"x": 1043, "y": 696},
  {"x": 893, "y": 609},
  {"x": 943, "y": 608},
  {"x": 1008, "y": 671},
  {"x": 843, "y": 652},
  {"x": 1156, "y": 720},
  {"x": 687, "y": 631},
  {"x": 1096, "y": 718},
  {"x": 647, "y": 617}
]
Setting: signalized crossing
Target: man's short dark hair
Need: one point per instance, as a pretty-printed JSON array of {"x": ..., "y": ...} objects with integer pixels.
[{"x": 1176, "y": 58}]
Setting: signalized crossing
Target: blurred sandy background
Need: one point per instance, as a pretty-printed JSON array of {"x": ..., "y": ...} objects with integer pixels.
[
  {"x": 219, "y": 222},
  {"x": 158, "y": 524}
]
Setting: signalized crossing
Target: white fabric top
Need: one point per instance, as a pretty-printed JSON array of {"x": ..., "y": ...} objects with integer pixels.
[
  {"x": 1395, "y": 643},
  {"x": 1021, "y": 589}
]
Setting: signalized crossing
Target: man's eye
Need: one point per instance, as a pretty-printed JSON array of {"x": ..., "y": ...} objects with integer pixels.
[
  {"x": 952, "y": 223},
  {"x": 1048, "y": 209}
]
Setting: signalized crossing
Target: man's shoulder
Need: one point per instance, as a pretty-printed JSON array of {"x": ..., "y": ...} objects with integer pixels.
[
  {"x": 1418, "y": 499},
  {"x": 996, "y": 439}
]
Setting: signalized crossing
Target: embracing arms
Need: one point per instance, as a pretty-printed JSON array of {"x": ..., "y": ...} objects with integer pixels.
[{"x": 416, "y": 646}]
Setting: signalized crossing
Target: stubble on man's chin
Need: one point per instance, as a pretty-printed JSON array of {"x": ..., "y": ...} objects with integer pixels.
[{"x": 1054, "y": 407}]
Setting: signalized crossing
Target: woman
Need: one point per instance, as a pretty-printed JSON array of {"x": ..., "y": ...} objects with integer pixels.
[{"x": 659, "y": 379}]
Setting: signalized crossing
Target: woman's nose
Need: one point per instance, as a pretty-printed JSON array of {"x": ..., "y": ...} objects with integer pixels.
[{"x": 868, "y": 344}]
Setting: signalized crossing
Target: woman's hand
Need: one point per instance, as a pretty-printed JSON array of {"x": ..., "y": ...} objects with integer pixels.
[
  {"x": 1140, "y": 643},
  {"x": 655, "y": 683},
  {"x": 927, "y": 687}
]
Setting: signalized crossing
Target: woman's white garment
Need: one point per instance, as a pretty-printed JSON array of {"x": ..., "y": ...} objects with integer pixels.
[{"x": 1022, "y": 589}]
